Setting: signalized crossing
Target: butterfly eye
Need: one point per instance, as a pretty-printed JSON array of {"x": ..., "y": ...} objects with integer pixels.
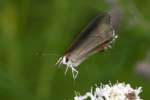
[{"x": 67, "y": 59}]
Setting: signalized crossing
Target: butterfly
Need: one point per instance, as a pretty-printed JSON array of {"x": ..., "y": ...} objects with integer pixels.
[{"x": 97, "y": 36}]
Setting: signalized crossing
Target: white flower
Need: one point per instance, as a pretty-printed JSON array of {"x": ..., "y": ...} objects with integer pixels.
[{"x": 119, "y": 91}]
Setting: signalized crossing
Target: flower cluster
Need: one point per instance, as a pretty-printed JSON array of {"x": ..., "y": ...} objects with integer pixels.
[{"x": 119, "y": 91}]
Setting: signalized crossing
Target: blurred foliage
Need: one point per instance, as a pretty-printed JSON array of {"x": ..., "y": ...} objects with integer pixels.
[{"x": 35, "y": 33}]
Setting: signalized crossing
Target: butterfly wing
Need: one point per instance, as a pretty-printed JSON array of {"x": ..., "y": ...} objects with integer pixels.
[{"x": 94, "y": 38}]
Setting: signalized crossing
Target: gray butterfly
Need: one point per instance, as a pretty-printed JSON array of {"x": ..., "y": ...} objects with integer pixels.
[{"x": 96, "y": 37}]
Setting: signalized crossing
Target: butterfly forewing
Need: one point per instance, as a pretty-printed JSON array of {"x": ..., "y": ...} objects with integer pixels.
[{"x": 97, "y": 34}]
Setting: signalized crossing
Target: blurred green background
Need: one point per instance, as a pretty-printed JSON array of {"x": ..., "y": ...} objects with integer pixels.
[{"x": 35, "y": 33}]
